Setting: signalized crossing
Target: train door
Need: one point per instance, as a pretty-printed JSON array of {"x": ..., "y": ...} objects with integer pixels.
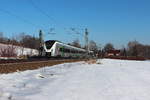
[{"x": 62, "y": 53}]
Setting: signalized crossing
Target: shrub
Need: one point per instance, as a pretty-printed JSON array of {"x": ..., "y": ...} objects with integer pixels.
[{"x": 9, "y": 51}]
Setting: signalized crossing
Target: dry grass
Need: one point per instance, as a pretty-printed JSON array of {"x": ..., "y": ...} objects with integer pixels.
[
  {"x": 91, "y": 61},
  {"x": 14, "y": 67}
]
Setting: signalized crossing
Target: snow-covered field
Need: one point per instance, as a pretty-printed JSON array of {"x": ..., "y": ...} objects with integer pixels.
[{"x": 110, "y": 80}]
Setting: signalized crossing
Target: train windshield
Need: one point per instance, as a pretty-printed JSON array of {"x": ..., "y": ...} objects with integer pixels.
[{"x": 49, "y": 44}]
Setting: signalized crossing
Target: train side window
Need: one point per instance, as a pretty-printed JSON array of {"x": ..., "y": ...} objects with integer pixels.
[
  {"x": 61, "y": 49},
  {"x": 76, "y": 51},
  {"x": 67, "y": 50},
  {"x": 73, "y": 51}
]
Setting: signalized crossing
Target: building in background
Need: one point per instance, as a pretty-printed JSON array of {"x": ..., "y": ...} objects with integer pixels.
[{"x": 113, "y": 53}]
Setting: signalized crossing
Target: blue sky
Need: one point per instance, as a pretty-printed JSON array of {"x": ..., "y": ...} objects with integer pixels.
[{"x": 115, "y": 21}]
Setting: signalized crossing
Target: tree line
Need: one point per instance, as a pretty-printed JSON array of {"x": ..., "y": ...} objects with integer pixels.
[
  {"x": 133, "y": 48},
  {"x": 137, "y": 49},
  {"x": 22, "y": 39}
]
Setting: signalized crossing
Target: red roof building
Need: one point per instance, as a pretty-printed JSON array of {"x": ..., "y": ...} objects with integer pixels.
[{"x": 113, "y": 53}]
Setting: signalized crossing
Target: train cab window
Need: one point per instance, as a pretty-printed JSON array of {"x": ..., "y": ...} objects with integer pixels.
[{"x": 49, "y": 44}]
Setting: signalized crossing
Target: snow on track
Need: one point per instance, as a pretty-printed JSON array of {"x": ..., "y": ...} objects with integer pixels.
[{"x": 111, "y": 80}]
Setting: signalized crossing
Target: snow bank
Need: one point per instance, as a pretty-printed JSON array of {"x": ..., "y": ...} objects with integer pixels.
[
  {"x": 110, "y": 80},
  {"x": 20, "y": 50}
]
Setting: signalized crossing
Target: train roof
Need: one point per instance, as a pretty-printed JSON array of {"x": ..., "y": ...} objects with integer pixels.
[
  {"x": 52, "y": 41},
  {"x": 73, "y": 47}
]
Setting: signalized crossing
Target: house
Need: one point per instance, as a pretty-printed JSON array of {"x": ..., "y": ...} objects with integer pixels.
[{"x": 113, "y": 53}]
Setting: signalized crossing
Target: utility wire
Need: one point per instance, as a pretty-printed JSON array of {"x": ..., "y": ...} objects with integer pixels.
[
  {"x": 25, "y": 20},
  {"x": 41, "y": 11},
  {"x": 51, "y": 19},
  {"x": 18, "y": 17},
  {"x": 44, "y": 13},
  {"x": 77, "y": 32},
  {"x": 74, "y": 30}
]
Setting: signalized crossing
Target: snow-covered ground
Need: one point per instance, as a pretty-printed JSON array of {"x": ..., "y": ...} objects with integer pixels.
[{"x": 110, "y": 80}]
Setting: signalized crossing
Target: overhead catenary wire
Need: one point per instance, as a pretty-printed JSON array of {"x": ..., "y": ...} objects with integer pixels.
[
  {"x": 75, "y": 31},
  {"x": 41, "y": 11},
  {"x": 19, "y": 17},
  {"x": 23, "y": 19},
  {"x": 32, "y": 24},
  {"x": 26, "y": 21},
  {"x": 50, "y": 32},
  {"x": 51, "y": 19}
]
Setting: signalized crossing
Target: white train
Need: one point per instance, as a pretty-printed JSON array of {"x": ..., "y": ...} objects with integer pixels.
[{"x": 53, "y": 48}]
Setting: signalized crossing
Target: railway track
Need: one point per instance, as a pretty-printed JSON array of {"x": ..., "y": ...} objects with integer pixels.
[
  {"x": 22, "y": 65},
  {"x": 4, "y": 61}
]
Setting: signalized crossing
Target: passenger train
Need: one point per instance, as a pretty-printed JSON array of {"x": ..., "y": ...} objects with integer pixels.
[{"x": 54, "y": 48}]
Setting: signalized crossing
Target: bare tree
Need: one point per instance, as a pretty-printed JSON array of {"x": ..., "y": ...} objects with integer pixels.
[
  {"x": 137, "y": 49},
  {"x": 29, "y": 41},
  {"x": 93, "y": 46},
  {"x": 76, "y": 43},
  {"x": 1, "y": 37},
  {"x": 147, "y": 51},
  {"x": 133, "y": 48},
  {"x": 9, "y": 51},
  {"x": 108, "y": 46},
  {"x": 1, "y": 34},
  {"x": 123, "y": 52}
]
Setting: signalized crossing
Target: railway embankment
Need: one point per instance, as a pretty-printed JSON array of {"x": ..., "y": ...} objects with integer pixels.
[{"x": 23, "y": 66}]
